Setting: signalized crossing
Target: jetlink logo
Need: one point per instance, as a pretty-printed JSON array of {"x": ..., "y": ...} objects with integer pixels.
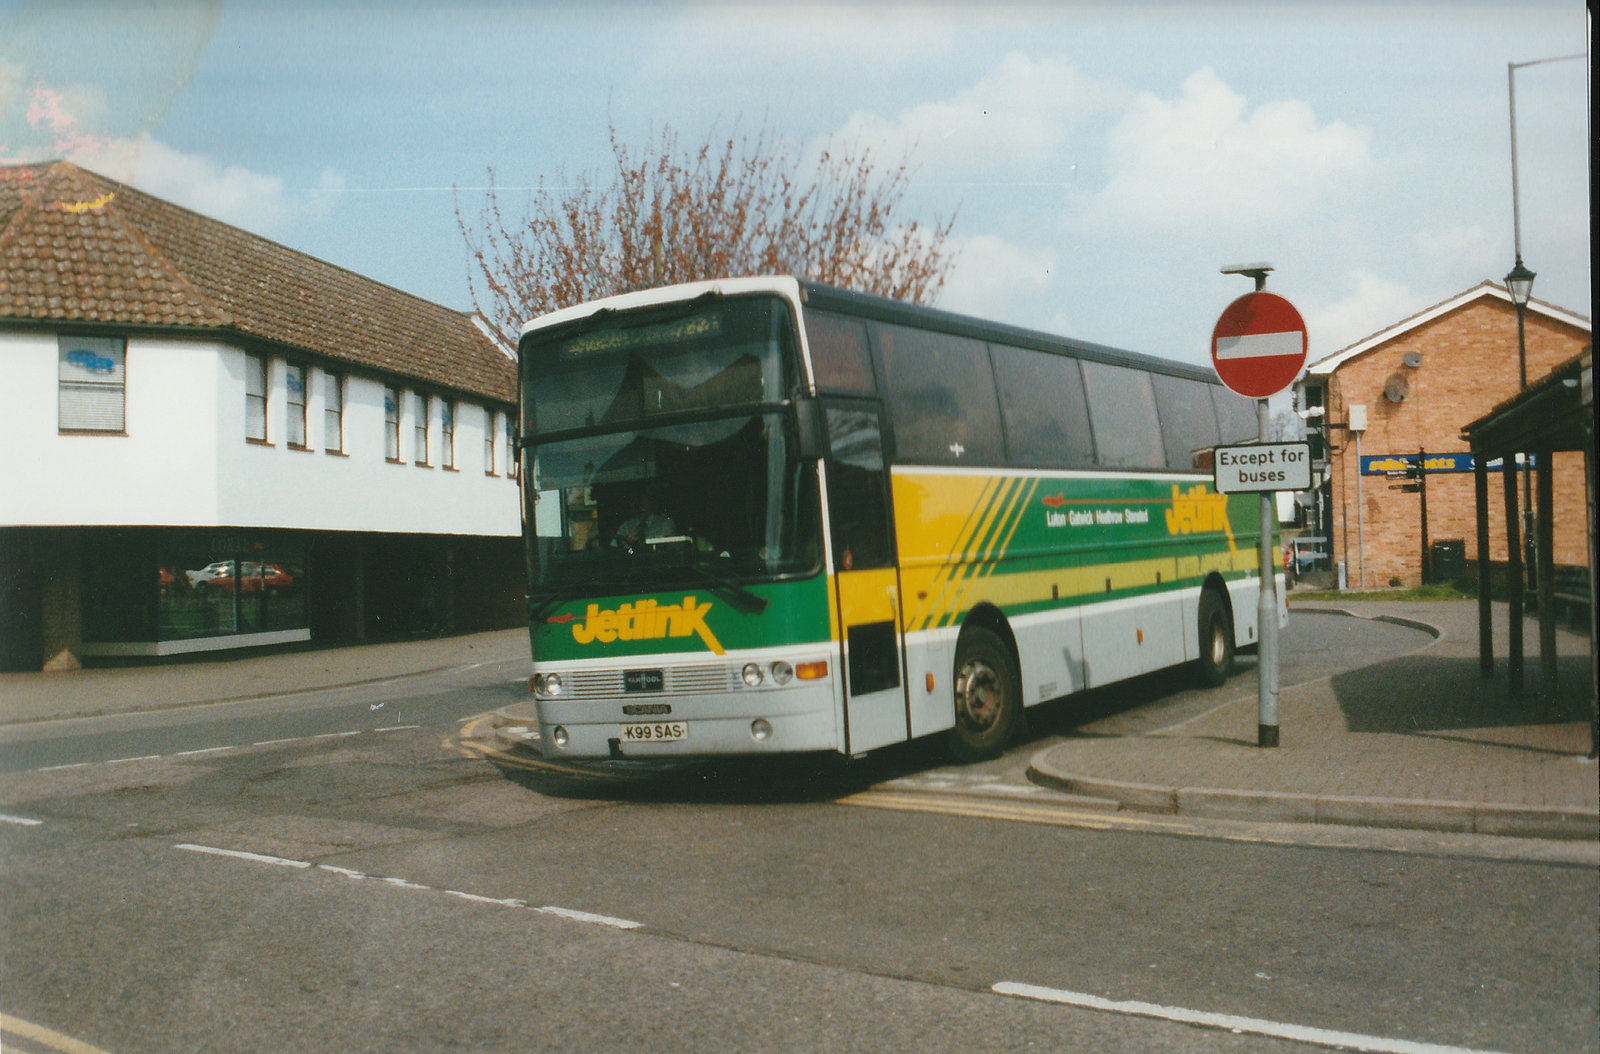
[{"x": 646, "y": 620}]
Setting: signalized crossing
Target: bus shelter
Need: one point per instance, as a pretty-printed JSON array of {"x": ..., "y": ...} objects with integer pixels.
[{"x": 1554, "y": 414}]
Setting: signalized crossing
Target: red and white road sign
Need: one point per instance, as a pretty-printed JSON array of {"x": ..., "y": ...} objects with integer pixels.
[{"x": 1259, "y": 345}]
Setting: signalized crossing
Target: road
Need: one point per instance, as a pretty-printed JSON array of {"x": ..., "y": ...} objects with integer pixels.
[{"x": 344, "y": 870}]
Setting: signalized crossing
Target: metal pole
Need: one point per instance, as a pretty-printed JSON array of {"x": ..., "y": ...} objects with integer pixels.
[
  {"x": 1516, "y": 213},
  {"x": 1508, "y": 474},
  {"x": 1267, "y": 613},
  {"x": 1480, "y": 490},
  {"x": 1422, "y": 496},
  {"x": 1361, "y": 517}
]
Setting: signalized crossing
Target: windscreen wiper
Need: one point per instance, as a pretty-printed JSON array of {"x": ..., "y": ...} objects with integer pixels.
[{"x": 743, "y": 598}]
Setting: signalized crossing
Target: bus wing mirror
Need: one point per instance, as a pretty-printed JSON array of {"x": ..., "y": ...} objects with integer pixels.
[{"x": 810, "y": 428}]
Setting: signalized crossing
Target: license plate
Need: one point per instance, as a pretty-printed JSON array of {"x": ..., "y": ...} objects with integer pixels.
[{"x": 656, "y": 732}]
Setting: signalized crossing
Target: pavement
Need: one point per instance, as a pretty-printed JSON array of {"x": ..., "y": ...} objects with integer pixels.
[{"x": 1420, "y": 742}]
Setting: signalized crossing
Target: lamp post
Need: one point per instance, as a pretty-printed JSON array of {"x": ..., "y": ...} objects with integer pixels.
[{"x": 1519, "y": 283}]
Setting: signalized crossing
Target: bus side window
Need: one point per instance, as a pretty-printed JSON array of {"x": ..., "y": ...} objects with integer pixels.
[
  {"x": 941, "y": 396},
  {"x": 840, "y": 356},
  {"x": 1236, "y": 416},
  {"x": 1046, "y": 415},
  {"x": 1188, "y": 422},
  {"x": 857, "y": 491},
  {"x": 1122, "y": 407}
]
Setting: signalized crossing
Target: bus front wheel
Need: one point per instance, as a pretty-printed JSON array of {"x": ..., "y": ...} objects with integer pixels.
[
  {"x": 1216, "y": 639},
  {"x": 987, "y": 696}
]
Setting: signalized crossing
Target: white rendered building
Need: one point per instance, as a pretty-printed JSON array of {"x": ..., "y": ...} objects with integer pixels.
[{"x": 217, "y": 442}]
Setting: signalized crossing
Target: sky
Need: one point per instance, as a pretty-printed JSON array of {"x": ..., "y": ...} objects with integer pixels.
[{"x": 1103, "y": 161}]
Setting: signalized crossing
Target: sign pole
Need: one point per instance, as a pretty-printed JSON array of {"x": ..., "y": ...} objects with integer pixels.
[
  {"x": 1258, "y": 347},
  {"x": 1267, "y": 610}
]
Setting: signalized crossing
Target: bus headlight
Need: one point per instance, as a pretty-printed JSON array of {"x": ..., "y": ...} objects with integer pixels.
[
  {"x": 752, "y": 675},
  {"x": 760, "y": 730},
  {"x": 782, "y": 672},
  {"x": 552, "y": 684},
  {"x": 558, "y": 736}
]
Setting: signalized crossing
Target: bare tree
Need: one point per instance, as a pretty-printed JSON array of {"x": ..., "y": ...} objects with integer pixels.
[{"x": 742, "y": 206}]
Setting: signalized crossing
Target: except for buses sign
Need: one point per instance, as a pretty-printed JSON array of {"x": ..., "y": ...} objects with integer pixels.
[
  {"x": 1259, "y": 345},
  {"x": 1262, "y": 467}
]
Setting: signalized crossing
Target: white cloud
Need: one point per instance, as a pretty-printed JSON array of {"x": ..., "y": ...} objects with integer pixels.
[
  {"x": 1201, "y": 159},
  {"x": 1021, "y": 115},
  {"x": 1373, "y": 305},
  {"x": 996, "y": 279}
]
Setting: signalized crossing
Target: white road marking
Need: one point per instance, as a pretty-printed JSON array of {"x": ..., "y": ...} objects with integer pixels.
[
  {"x": 1297, "y": 1033},
  {"x": 238, "y": 854},
  {"x": 231, "y": 746},
  {"x": 584, "y": 916},
  {"x": 570, "y": 914},
  {"x": 20, "y": 821},
  {"x": 510, "y": 902}
]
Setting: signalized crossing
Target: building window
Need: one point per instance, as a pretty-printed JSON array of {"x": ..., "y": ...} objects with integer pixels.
[
  {"x": 447, "y": 434},
  {"x": 511, "y": 448},
  {"x": 333, "y": 413},
  {"x": 295, "y": 381},
  {"x": 391, "y": 423},
  {"x": 255, "y": 398},
  {"x": 488, "y": 441},
  {"x": 91, "y": 394},
  {"x": 419, "y": 412}
]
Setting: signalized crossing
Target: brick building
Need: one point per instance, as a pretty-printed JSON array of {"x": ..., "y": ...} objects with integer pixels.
[
  {"x": 215, "y": 442},
  {"x": 1418, "y": 383}
]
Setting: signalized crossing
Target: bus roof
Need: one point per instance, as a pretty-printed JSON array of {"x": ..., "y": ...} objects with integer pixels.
[{"x": 879, "y": 308}]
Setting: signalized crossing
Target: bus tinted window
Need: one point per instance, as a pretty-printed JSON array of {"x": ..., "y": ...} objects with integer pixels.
[
  {"x": 941, "y": 393},
  {"x": 1236, "y": 416},
  {"x": 1188, "y": 420},
  {"x": 1046, "y": 414},
  {"x": 839, "y": 353},
  {"x": 1122, "y": 408}
]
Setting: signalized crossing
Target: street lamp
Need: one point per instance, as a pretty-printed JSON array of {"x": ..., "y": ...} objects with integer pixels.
[{"x": 1519, "y": 283}]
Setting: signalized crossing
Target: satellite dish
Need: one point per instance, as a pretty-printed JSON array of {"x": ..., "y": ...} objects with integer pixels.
[
  {"x": 1413, "y": 359},
  {"x": 1397, "y": 389}
]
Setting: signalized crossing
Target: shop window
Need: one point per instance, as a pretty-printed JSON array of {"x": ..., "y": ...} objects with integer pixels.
[{"x": 91, "y": 384}]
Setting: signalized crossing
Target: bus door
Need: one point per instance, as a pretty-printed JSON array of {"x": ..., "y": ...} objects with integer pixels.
[{"x": 865, "y": 577}]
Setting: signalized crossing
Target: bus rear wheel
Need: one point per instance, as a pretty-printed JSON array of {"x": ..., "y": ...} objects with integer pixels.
[
  {"x": 1216, "y": 639},
  {"x": 987, "y": 696}
]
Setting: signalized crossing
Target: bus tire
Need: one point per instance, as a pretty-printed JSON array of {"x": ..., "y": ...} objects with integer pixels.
[
  {"x": 1216, "y": 639},
  {"x": 987, "y": 696}
]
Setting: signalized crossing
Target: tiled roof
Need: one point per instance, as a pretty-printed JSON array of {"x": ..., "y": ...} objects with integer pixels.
[{"x": 78, "y": 247}]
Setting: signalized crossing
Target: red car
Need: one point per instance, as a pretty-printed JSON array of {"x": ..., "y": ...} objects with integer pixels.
[{"x": 253, "y": 578}]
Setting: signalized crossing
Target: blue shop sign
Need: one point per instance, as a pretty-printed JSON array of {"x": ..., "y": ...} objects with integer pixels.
[{"x": 1380, "y": 464}]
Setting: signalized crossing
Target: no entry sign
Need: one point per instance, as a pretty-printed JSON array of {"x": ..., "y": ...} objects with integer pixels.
[{"x": 1259, "y": 345}]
